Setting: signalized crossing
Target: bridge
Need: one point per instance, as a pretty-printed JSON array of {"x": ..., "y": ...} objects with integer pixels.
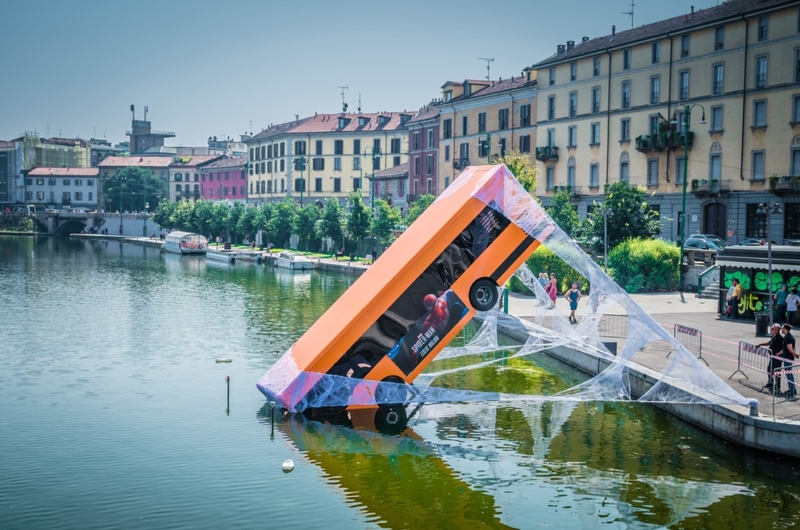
[{"x": 76, "y": 221}]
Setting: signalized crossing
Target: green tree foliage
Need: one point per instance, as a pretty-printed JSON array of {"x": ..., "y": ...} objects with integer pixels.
[
  {"x": 520, "y": 165},
  {"x": 419, "y": 206},
  {"x": 235, "y": 214},
  {"x": 163, "y": 214},
  {"x": 544, "y": 260},
  {"x": 332, "y": 221},
  {"x": 204, "y": 216},
  {"x": 563, "y": 212},
  {"x": 648, "y": 265},
  {"x": 358, "y": 219},
  {"x": 139, "y": 186},
  {"x": 385, "y": 222},
  {"x": 219, "y": 219},
  {"x": 282, "y": 221},
  {"x": 629, "y": 216},
  {"x": 263, "y": 215},
  {"x": 247, "y": 222},
  {"x": 305, "y": 224}
]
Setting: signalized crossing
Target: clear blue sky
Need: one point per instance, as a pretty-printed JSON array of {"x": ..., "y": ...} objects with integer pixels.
[{"x": 210, "y": 68}]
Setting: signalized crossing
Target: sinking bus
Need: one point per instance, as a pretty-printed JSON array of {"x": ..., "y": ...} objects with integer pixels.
[{"x": 394, "y": 320}]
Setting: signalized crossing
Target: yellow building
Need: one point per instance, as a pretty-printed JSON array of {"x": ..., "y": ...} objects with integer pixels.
[
  {"x": 612, "y": 109},
  {"x": 325, "y": 155},
  {"x": 481, "y": 119}
]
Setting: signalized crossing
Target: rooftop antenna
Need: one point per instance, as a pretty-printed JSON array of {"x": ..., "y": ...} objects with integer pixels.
[
  {"x": 94, "y": 134},
  {"x": 133, "y": 113},
  {"x": 344, "y": 105},
  {"x": 630, "y": 13},
  {"x": 489, "y": 61},
  {"x": 145, "y": 113},
  {"x": 251, "y": 126},
  {"x": 359, "y": 103}
]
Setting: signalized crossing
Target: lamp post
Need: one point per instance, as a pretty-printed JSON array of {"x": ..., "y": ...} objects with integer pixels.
[
  {"x": 302, "y": 178},
  {"x": 605, "y": 236},
  {"x": 144, "y": 222},
  {"x": 674, "y": 124},
  {"x": 765, "y": 212},
  {"x": 374, "y": 155},
  {"x": 120, "y": 205},
  {"x": 488, "y": 148}
]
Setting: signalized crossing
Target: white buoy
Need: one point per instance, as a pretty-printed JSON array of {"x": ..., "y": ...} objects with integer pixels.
[
  {"x": 225, "y": 360},
  {"x": 288, "y": 466}
]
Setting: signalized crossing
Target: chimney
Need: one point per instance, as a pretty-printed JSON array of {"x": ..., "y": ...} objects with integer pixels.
[
  {"x": 692, "y": 11},
  {"x": 613, "y": 30},
  {"x": 584, "y": 39},
  {"x": 570, "y": 44},
  {"x": 560, "y": 49}
]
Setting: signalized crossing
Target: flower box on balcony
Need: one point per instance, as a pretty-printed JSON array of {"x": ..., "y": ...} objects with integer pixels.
[{"x": 547, "y": 153}]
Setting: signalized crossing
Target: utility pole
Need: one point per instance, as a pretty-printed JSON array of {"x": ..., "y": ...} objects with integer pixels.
[
  {"x": 344, "y": 105},
  {"x": 488, "y": 60}
]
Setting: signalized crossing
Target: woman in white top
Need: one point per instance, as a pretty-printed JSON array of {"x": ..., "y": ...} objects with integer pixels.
[{"x": 791, "y": 305}]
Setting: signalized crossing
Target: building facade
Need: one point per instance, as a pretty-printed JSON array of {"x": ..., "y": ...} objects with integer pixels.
[
  {"x": 224, "y": 179},
  {"x": 183, "y": 176},
  {"x": 325, "y": 155},
  {"x": 62, "y": 187},
  {"x": 157, "y": 165},
  {"x": 423, "y": 152},
  {"x": 481, "y": 119},
  {"x": 614, "y": 109}
]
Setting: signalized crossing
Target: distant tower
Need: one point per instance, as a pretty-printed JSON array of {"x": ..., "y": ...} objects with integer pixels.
[{"x": 142, "y": 136}]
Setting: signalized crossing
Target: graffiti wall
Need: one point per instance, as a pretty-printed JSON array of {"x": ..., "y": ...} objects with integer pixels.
[{"x": 755, "y": 283}]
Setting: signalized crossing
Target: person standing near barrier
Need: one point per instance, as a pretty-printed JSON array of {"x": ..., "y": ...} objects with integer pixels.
[
  {"x": 729, "y": 300},
  {"x": 780, "y": 301},
  {"x": 789, "y": 354},
  {"x": 775, "y": 345},
  {"x": 791, "y": 306},
  {"x": 573, "y": 295},
  {"x": 737, "y": 295}
]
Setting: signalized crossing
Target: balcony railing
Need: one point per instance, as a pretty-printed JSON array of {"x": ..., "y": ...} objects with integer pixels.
[
  {"x": 574, "y": 191},
  {"x": 711, "y": 187},
  {"x": 548, "y": 152},
  {"x": 663, "y": 140},
  {"x": 784, "y": 185},
  {"x": 461, "y": 163}
]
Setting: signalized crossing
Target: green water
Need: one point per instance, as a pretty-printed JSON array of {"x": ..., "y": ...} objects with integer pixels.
[{"x": 113, "y": 414}]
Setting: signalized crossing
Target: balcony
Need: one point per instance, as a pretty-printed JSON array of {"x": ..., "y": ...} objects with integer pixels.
[
  {"x": 650, "y": 142},
  {"x": 546, "y": 153},
  {"x": 710, "y": 188},
  {"x": 574, "y": 191},
  {"x": 461, "y": 163},
  {"x": 785, "y": 185}
]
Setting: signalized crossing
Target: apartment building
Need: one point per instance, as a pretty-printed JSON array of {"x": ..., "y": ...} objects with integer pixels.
[
  {"x": 183, "y": 176},
  {"x": 479, "y": 119},
  {"x": 325, "y": 155},
  {"x": 423, "y": 152},
  {"x": 613, "y": 109},
  {"x": 157, "y": 165},
  {"x": 62, "y": 187},
  {"x": 224, "y": 178}
]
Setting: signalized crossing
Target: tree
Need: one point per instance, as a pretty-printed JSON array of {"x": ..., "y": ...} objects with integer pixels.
[
  {"x": 358, "y": 222},
  {"x": 219, "y": 219},
  {"x": 385, "y": 222},
  {"x": 282, "y": 221},
  {"x": 305, "y": 225},
  {"x": 163, "y": 214},
  {"x": 331, "y": 222},
  {"x": 247, "y": 222},
  {"x": 563, "y": 212},
  {"x": 520, "y": 165},
  {"x": 629, "y": 215},
  {"x": 138, "y": 187},
  {"x": 234, "y": 215},
  {"x": 204, "y": 215},
  {"x": 419, "y": 206}
]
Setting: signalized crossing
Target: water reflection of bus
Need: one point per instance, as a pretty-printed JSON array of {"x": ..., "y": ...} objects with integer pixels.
[{"x": 416, "y": 297}]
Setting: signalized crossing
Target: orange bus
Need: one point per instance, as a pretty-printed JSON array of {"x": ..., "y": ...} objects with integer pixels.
[{"x": 392, "y": 322}]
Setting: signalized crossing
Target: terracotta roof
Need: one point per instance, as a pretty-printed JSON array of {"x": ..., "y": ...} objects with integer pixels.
[
  {"x": 136, "y": 161},
  {"x": 329, "y": 123},
  {"x": 64, "y": 171},
  {"x": 687, "y": 21},
  {"x": 427, "y": 113},
  {"x": 276, "y": 130},
  {"x": 398, "y": 171},
  {"x": 497, "y": 87},
  {"x": 192, "y": 160},
  {"x": 228, "y": 162}
]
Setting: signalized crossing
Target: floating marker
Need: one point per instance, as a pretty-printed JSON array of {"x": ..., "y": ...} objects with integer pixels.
[
  {"x": 287, "y": 466},
  {"x": 225, "y": 360}
]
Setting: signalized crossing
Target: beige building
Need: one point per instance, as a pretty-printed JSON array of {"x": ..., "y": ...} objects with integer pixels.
[
  {"x": 325, "y": 155},
  {"x": 158, "y": 165},
  {"x": 481, "y": 119},
  {"x": 183, "y": 176},
  {"x": 613, "y": 109}
]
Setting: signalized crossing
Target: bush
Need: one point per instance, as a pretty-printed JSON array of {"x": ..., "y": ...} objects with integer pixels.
[
  {"x": 645, "y": 265},
  {"x": 544, "y": 260}
]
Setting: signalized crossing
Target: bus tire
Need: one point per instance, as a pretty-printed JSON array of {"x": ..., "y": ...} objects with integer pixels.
[
  {"x": 483, "y": 294},
  {"x": 391, "y": 419}
]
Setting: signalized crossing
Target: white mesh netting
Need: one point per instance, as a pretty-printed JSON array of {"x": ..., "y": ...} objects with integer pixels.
[{"x": 684, "y": 379}]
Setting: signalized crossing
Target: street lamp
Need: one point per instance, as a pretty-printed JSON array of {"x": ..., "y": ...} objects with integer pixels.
[
  {"x": 765, "y": 212},
  {"x": 144, "y": 222},
  {"x": 121, "y": 180},
  {"x": 302, "y": 178},
  {"x": 375, "y": 154},
  {"x": 674, "y": 125},
  {"x": 488, "y": 147}
]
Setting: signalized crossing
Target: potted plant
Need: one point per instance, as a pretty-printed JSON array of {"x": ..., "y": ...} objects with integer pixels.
[{"x": 695, "y": 184}]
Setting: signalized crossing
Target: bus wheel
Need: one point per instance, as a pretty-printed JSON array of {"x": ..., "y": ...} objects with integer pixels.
[
  {"x": 483, "y": 294},
  {"x": 391, "y": 419}
]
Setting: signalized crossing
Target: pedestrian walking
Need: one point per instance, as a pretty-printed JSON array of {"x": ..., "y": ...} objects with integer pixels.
[
  {"x": 729, "y": 306},
  {"x": 738, "y": 292},
  {"x": 789, "y": 354},
  {"x": 573, "y": 295},
  {"x": 791, "y": 306},
  {"x": 543, "y": 279},
  {"x": 775, "y": 345},
  {"x": 780, "y": 302}
]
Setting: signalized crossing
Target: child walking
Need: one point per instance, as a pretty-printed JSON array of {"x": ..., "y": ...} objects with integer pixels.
[{"x": 573, "y": 295}]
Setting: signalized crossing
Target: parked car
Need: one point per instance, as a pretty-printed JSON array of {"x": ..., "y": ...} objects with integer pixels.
[
  {"x": 753, "y": 242},
  {"x": 701, "y": 244},
  {"x": 710, "y": 237},
  {"x": 793, "y": 242}
]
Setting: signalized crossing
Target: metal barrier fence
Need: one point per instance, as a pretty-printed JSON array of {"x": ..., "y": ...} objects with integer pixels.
[
  {"x": 613, "y": 326},
  {"x": 756, "y": 358},
  {"x": 690, "y": 338}
]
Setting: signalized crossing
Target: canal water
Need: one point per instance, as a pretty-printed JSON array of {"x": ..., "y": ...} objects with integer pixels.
[{"x": 113, "y": 414}]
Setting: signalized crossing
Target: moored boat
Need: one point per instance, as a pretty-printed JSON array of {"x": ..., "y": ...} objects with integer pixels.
[
  {"x": 221, "y": 255},
  {"x": 294, "y": 261},
  {"x": 185, "y": 243}
]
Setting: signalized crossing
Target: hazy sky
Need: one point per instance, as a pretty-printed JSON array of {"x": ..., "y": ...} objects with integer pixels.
[{"x": 210, "y": 68}]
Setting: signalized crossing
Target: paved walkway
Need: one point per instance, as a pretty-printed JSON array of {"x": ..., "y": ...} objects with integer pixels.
[{"x": 720, "y": 345}]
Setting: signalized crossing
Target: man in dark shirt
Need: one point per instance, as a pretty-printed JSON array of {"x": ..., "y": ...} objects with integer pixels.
[
  {"x": 789, "y": 354},
  {"x": 775, "y": 345}
]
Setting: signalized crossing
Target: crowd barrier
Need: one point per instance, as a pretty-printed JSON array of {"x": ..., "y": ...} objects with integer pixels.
[
  {"x": 690, "y": 338},
  {"x": 613, "y": 326}
]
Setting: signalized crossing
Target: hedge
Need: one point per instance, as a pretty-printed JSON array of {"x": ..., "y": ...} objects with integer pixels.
[
  {"x": 544, "y": 260},
  {"x": 645, "y": 265}
]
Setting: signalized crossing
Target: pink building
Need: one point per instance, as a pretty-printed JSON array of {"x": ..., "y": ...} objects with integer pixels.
[
  {"x": 224, "y": 179},
  {"x": 423, "y": 153}
]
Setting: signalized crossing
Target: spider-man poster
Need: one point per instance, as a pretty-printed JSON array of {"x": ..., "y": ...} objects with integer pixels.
[{"x": 443, "y": 313}]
